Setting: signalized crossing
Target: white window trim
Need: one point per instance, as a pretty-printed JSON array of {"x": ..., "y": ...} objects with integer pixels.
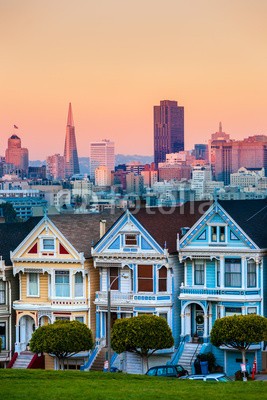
[
  {"x": 74, "y": 285},
  {"x": 217, "y": 234},
  {"x": 41, "y": 238},
  {"x": 131, "y": 234},
  {"x": 28, "y": 284},
  {"x": 246, "y": 275},
  {"x": 70, "y": 284}
]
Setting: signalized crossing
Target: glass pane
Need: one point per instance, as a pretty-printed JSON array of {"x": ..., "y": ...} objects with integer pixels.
[
  {"x": 48, "y": 244},
  {"x": 62, "y": 284},
  {"x": 33, "y": 284}
]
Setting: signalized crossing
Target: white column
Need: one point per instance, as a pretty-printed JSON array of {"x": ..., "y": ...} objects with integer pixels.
[
  {"x": 183, "y": 323},
  {"x": 243, "y": 272},
  {"x": 205, "y": 333}
]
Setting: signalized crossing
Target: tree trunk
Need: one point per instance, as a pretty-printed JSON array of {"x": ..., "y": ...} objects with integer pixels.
[{"x": 244, "y": 362}]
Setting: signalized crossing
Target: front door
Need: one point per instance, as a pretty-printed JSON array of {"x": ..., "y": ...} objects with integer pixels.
[{"x": 26, "y": 327}]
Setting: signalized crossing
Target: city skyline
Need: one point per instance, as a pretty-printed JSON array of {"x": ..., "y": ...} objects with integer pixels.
[{"x": 119, "y": 59}]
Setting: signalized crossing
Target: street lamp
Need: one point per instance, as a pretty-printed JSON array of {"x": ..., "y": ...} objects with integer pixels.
[{"x": 125, "y": 276}]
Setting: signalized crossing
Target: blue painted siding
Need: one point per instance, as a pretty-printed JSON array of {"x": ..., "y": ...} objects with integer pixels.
[
  {"x": 145, "y": 245},
  {"x": 210, "y": 274},
  {"x": 214, "y": 312},
  {"x": 116, "y": 245},
  {"x": 189, "y": 277},
  {"x": 264, "y": 271}
]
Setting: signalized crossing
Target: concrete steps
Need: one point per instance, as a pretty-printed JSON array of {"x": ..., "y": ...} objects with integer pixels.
[
  {"x": 189, "y": 355},
  {"x": 98, "y": 364},
  {"x": 23, "y": 360}
]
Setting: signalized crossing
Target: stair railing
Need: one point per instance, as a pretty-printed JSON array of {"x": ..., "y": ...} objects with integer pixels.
[
  {"x": 176, "y": 355},
  {"x": 91, "y": 359},
  {"x": 194, "y": 355}
]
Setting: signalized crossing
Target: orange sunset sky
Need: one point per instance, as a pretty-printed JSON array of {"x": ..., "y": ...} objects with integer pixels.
[{"x": 115, "y": 59}]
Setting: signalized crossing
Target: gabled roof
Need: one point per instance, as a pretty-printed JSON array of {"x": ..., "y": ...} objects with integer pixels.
[
  {"x": 165, "y": 223},
  {"x": 11, "y": 235},
  {"x": 83, "y": 230},
  {"x": 251, "y": 216}
]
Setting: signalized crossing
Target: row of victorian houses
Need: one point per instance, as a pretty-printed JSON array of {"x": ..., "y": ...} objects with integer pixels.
[{"x": 190, "y": 265}]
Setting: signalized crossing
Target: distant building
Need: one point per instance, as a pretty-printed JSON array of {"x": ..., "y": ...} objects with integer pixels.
[
  {"x": 102, "y": 176},
  {"x": 70, "y": 149},
  {"x": 101, "y": 154},
  {"x": 134, "y": 183},
  {"x": 168, "y": 129},
  {"x": 17, "y": 155},
  {"x": 37, "y": 172},
  {"x": 201, "y": 152},
  {"x": 174, "y": 171},
  {"x": 247, "y": 177},
  {"x": 55, "y": 166}
]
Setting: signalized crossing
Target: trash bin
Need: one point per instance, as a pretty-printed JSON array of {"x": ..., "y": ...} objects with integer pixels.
[
  {"x": 204, "y": 367},
  {"x": 197, "y": 366}
]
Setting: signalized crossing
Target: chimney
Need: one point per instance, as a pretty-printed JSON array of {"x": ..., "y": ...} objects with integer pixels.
[{"x": 102, "y": 227}]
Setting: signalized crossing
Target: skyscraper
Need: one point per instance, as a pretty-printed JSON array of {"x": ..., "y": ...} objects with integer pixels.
[
  {"x": 101, "y": 154},
  {"x": 168, "y": 129},
  {"x": 17, "y": 155},
  {"x": 70, "y": 149}
]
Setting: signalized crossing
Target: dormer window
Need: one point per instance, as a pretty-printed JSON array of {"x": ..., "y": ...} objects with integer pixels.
[
  {"x": 131, "y": 239},
  {"x": 48, "y": 244},
  {"x": 217, "y": 233}
]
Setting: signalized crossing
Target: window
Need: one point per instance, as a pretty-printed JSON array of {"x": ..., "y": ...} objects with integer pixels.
[
  {"x": 218, "y": 274},
  {"x": 33, "y": 284},
  {"x": 214, "y": 233},
  {"x": 3, "y": 334},
  {"x": 252, "y": 310},
  {"x": 62, "y": 283},
  {"x": 113, "y": 274},
  {"x": 145, "y": 278},
  {"x": 131, "y": 240},
  {"x": 217, "y": 233},
  {"x": 229, "y": 311},
  {"x": 163, "y": 279},
  {"x": 2, "y": 292},
  {"x": 251, "y": 274},
  {"x": 199, "y": 273},
  {"x": 232, "y": 272},
  {"x": 80, "y": 319},
  {"x": 49, "y": 244},
  {"x": 78, "y": 284},
  {"x": 62, "y": 318},
  {"x": 164, "y": 316}
]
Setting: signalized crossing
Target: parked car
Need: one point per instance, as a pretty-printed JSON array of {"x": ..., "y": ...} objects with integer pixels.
[
  {"x": 172, "y": 371},
  {"x": 210, "y": 377}
]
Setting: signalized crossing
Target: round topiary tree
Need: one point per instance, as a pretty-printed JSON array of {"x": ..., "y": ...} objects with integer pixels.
[
  {"x": 62, "y": 339},
  {"x": 239, "y": 332},
  {"x": 142, "y": 335}
]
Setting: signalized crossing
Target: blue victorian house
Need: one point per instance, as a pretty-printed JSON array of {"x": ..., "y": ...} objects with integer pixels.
[{"x": 224, "y": 258}]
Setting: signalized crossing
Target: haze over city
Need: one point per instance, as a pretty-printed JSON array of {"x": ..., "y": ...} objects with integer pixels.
[{"x": 114, "y": 60}]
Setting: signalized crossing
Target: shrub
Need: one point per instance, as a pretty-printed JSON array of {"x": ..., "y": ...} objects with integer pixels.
[
  {"x": 239, "y": 375},
  {"x": 210, "y": 358}
]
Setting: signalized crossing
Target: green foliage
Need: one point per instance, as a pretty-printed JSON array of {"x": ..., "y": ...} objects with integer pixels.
[
  {"x": 239, "y": 375},
  {"x": 208, "y": 357},
  {"x": 142, "y": 335},
  {"x": 9, "y": 213},
  {"x": 62, "y": 339},
  {"x": 239, "y": 331}
]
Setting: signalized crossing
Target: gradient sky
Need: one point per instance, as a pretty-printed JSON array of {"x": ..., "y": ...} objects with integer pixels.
[{"x": 115, "y": 59}]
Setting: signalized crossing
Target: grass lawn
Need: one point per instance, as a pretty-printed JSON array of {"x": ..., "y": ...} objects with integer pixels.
[{"x": 68, "y": 385}]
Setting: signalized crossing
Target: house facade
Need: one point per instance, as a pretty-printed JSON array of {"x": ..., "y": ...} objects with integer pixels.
[
  {"x": 137, "y": 261},
  {"x": 224, "y": 261}
]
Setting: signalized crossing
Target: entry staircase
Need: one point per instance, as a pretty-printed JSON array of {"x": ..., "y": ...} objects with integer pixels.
[
  {"x": 189, "y": 355},
  {"x": 98, "y": 363},
  {"x": 23, "y": 360}
]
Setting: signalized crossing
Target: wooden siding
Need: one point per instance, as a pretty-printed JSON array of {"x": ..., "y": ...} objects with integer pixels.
[
  {"x": 94, "y": 286},
  {"x": 43, "y": 289}
]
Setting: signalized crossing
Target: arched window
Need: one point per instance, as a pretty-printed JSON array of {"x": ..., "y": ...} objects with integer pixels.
[{"x": 163, "y": 279}]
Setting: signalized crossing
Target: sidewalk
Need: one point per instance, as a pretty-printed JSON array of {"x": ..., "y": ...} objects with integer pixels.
[{"x": 261, "y": 377}]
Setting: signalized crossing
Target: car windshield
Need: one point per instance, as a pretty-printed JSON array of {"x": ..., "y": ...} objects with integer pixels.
[{"x": 224, "y": 379}]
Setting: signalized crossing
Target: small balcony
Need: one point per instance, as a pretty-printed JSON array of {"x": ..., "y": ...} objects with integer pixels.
[
  {"x": 120, "y": 298},
  {"x": 212, "y": 294}
]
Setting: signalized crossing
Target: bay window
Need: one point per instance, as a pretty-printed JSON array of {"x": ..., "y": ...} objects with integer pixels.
[
  {"x": 163, "y": 279},
  {"x": 199, "y": 273},
  {"x": 232, "y": 272},
  {"x": 33, "y": 284},
  {"x": 251, "y": 274},
  {"x": 113, "y": 282},
  {"x": 2, "y": 292},
  {"x": 78, "y": 292},
  {"x": 62, "y": 283},
  {"x": 145, "y": 278}
]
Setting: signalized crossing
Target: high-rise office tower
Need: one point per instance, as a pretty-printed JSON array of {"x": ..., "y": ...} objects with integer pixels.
[
  {"x": 55, "y": 167},
  {"x": 17, "y": 155},
  {"x": 70, "y": 149},
  {"x": 168, "y": 129},
  {"x": 101, "y": 154}
]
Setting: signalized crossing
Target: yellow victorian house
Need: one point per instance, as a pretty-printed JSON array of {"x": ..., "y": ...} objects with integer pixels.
[{"x": 57, "y": 279}]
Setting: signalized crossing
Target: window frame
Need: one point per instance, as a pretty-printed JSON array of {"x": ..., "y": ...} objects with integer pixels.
[
  {"x": 204, "y": 270},
  {"x": 218, "y": 230},
  {"x": 229, "y": 275},
  {"x": 28, "y": 284},
  {"x": 5, "y": 336},
  {"x": 163, "y": 279},
  {"x": 143, "y": 279},
  {"x": 134, "y": 239},
  {"x": 58, "y": 273},
  {"x": 43, "y": 249},
  {"x": 78, "y": 285},
  {"x": 251, "y": 274},
  {"x": 3, "y": 292}
]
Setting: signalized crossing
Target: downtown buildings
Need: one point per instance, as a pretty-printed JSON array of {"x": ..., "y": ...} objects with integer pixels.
[
  {"x": 101, "y": 155},
  {"x": 168, "y": 129},
  {"x": 70, "y": 149}
]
